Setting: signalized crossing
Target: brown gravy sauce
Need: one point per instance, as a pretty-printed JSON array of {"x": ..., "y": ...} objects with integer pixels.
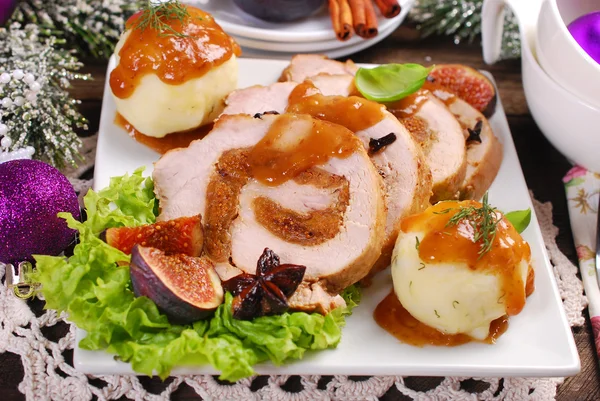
[
  {"x": 391, "y": 315},
  {"x": 278, "y": 158},
  {"x": 174, "y": 59},
  {"x": 166, "y": 143},
  {"x": 410, "y": 105},
  {"x": 440, "y": 92},
  {"x": 353, "y": 112}
]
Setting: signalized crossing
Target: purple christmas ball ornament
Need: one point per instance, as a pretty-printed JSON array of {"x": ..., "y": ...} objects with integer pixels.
[
  {"x": 6, "y": 9},
  {"x": 586, "y": 31},
  {"x": 32, "y": 193}
]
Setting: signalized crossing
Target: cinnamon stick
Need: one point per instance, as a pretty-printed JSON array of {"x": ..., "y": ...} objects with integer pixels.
[
  {"x": 358, "y": 13},
  {"x": 341, "y": 19},
  {"x": 365, "y": 20},
  {"x": 388, "y": 8}
]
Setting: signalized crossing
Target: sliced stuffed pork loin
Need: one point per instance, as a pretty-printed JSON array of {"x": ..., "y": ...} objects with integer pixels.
[
  {"x": 303, "y": 66},
  {"x": 406, "y": 176},
  {"x": 441, "y": 138},
  {"x": 256, "y": 183},
  {"x": 259, "y": 99},
  {"x": 427, "y": 118},
  {"x": 274, "y": 97},
  {"x": 484, "y": 150}
]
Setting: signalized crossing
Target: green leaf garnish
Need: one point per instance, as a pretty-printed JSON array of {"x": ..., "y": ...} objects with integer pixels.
[
  {"x": 158, "y": 16},
  {"x": 484, "y": 221},
  {"x": 390, "y": 82},
  {"x": 520, "y": 219}
]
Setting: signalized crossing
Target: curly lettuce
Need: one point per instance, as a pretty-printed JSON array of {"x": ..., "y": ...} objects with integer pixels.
[{"x": 93, "y": 286}]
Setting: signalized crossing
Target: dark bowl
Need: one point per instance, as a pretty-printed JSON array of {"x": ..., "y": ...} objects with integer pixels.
[{"x": 279, "y": 10}]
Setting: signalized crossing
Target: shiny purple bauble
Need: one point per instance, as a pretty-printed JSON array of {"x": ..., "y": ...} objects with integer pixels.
[
  {"x": 6, "y": 9},
  {"x": 586, "y": 31},
  {"x": 31, "y": 195}
]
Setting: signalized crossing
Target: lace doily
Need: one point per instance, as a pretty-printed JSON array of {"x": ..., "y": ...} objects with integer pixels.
[{"x": 48, "y": 373}]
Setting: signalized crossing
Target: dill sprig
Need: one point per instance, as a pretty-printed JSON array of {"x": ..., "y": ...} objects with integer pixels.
[
  {"x": 159, "y": 17},
  {"x": 483, "y": 220}
]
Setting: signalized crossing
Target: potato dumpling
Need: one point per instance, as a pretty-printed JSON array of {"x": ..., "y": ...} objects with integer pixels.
[{"x": 443, "y": 279}]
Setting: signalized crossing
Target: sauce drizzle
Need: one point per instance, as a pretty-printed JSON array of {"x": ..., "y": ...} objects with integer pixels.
[
  {"x": 410, "y": 105},
  {"x": 295, "y": 143},
  {"x": 353, "y": 112},
  {"x": 166, "y": 143}
]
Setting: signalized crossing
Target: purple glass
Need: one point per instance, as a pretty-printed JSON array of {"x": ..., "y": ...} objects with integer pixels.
[{"x": 586, "y": 31}]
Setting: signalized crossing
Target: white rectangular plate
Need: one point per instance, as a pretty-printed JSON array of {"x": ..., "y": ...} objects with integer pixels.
[{"x": 538, "y": 341}]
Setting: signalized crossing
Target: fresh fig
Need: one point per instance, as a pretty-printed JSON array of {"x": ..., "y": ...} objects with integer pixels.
[
  {"x": 468, "y": 84},
  {"x": 183, "y": 235},
  {"x": 185, "y": 288}
]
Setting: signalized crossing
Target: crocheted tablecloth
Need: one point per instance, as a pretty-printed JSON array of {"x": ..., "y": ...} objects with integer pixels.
[{"x": 48, "y": 373}]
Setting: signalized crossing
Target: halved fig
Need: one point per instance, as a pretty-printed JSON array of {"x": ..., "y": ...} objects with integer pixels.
[
  {"x": 468, "y": 84},
  {"x": 184, "y": 288},
  {"x": 183, "y": 235}
]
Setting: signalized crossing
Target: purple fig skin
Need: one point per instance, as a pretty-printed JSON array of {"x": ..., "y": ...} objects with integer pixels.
[{"x": 148, "y": 283}]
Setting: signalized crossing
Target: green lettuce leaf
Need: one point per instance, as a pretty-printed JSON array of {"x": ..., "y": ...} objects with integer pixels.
[
  {"x": 93, "y": 286},
  {"x": 128, "y": 201}
]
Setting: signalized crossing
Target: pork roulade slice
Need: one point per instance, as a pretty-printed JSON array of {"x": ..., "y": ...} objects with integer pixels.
[
  {"x": 304, "y": 66},
  {"x": 259, "y": 99},
  {"x": 484, "y": 150},
  {"x": 302, "y": 187},
  {"x": 441, "y": 138},
  {"x": 274, "y": 97},
  {"x": 428, "y": 119},
  {"x": 395, "y": 154},
  {"x": 401, "y": 164}
]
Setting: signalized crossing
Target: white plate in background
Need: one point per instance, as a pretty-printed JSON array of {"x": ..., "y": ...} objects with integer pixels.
[
  {"x": 538, "y": 342},
  {"x": 312, "y": 29},
  {"x": 267, "y": 50}
]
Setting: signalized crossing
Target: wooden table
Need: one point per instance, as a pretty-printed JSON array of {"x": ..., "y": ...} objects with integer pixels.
[{"x": 542, "y": 164}]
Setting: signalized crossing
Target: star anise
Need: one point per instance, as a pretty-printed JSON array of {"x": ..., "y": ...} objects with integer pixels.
[
  {"x": 267, "y": 291},
  {"x": 475, "y": 133}
]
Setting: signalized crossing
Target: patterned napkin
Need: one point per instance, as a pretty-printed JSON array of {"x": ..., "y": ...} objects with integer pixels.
[{"x": 583, "y": 190}]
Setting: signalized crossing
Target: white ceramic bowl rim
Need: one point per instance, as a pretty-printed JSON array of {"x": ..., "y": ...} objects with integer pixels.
[{"x": 565, "y": 31}]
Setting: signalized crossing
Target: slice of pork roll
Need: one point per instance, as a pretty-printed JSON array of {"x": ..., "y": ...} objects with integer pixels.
[
  {"x": 259, "y": 99},
  {"x": 441, "y": 138},
  {"x": 304, "y": 66},
  {"x": 393, "y": 151},
  {"x": 274, "y": 97},
  {"x": 302, "y": 187},
  {"x": 484, "y": 150},
  {"x": 332, "y": 85},
  {"x": 428, "y": 119},
  {"x": 406, "y": 176}
]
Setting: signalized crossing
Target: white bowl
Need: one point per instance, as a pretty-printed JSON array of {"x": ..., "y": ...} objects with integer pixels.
[
  {"x": 560, "y": 55},
  {"x": 568, "y": 122}
]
